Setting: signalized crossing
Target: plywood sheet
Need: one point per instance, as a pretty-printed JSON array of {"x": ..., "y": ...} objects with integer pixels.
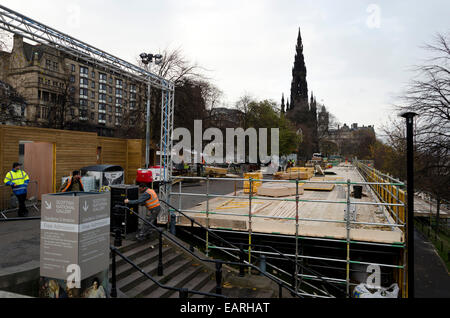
[
  {"x": 278, "y": 189},
  {"x": 319, "y": 186}
]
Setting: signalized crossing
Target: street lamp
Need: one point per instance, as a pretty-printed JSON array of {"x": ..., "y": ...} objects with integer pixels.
[
  {"x": 409, "y": 116},
  {"x": 148, "y": 58}
]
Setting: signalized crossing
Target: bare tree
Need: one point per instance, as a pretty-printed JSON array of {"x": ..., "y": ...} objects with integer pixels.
[
  {"x": 174, "y": 66},
  {"x": 12, "y": 105},
  {"x": 429, "y": 95},
  {"x": 243, "y": 106},
  {"x": 62, "y": 109}
]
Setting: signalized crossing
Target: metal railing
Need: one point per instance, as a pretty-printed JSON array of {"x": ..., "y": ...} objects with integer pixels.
[
  {"x": 394, "y": 220},
  {"x": 183, "y": 292},
  {"x": 218, "y": 263}
]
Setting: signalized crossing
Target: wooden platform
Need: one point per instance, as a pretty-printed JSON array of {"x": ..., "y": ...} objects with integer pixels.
[{"x": 271, "y": 216}]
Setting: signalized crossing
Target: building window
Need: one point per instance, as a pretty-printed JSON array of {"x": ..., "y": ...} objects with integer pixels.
[
  {"x": 72, "y": 67},
  {"x": 109, "y": 109},
  {"x": 48, "y": 64},
  {"x": 39, "y": 94},
  {"x": 110, "y": 89},
  {"x": 102, "y": 88},
  {"x": 84, "y": 82},
  {"x": 92, "y": 105},
  {"x": 132, "y": 88},
  {"x": 133, "y": 96},
  {"x": 93, "y": 84},
  {"x": 102, "y": 97},
  {"x": 118, "y": 92},
  {"x": 118, "y": 101},
  {"x": 44, "y": 112},
  {"x": 83, "y": 92},
  {"x": 110, "y": 80},
  {"x": 55, "y": 66},
  {"x": 83, "y": 103},
  {"x": 72, "y": 78},
  {"x": 110, "y": 118},
  {"x": 109, "y": 99},
  {"x": 102, "y": 77},
  {"x": 92, "y": 116},
  {"x": 102, "y": 108},
  {"x": 84, "y": 71},
  {"x": 93, "y": 74}
]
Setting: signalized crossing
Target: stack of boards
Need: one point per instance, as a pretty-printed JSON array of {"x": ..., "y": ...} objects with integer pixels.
[{"x": 301, "y": 173}]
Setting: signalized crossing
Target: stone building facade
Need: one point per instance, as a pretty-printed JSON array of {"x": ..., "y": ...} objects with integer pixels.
[{"x": 65, "y": 93}]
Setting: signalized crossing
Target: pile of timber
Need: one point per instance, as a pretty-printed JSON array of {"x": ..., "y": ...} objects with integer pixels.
[
  {"x": 301, "y": 173},
  {"x": 215, "y": 171}
]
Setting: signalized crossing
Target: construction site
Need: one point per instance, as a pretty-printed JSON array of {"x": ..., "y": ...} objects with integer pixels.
[{"x": 320, "y": 230}]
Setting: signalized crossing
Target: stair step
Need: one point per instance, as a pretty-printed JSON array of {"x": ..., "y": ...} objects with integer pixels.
[
  {"x": 137, "y": 277},
  {"x": 189, "y": 274},
  {"x": 195, "y": 284},
  {"x": 169, "y": 272},
  {"x": 210, "y": 287},
  {"x": 135, "y": 252},
  {"x": 142, "y": 261}
]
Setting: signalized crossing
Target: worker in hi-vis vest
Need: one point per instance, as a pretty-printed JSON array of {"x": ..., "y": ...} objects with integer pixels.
[
  {"x": 18, "y": 180},
  {"x": 73, "y": 183},
  {"x": 150, "y": 199}
]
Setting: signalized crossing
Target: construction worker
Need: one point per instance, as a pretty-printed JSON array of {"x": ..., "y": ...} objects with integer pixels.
[
  {"x": 73, "y": 184},
  {"x": 18, "y": 180},
  {"x": 150, "y": 199}
]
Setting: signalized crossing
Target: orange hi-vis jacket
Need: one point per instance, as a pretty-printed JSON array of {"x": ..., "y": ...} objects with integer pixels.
[
  {"x": 69, "y": 184},
  {"x": 153, "y": 202}
]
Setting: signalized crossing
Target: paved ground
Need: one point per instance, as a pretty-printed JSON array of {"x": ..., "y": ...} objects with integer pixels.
[{"x": 431, "y": 277}]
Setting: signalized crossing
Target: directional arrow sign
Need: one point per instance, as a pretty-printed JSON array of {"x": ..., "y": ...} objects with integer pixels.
[
  {"x": 85, "y": 206},
  {"x": 48, "y": 205}
]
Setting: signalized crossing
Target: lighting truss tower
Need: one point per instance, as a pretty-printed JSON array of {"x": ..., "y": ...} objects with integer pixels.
[
  {"x": 167, "y": 110},
  {"x": 28, "y": 28}
]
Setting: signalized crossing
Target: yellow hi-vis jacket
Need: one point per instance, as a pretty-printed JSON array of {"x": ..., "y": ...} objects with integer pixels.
[{"x": 18, "y": 180}]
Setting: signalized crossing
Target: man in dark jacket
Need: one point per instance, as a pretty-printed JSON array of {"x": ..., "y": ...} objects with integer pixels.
[{"x": 73, "y": 184}]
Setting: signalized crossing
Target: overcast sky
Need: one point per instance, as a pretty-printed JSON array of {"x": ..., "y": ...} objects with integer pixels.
[{"x": 358, "y": 53}]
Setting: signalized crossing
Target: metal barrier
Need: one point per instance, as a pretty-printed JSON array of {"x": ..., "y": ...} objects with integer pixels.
[
  {"x": 7, "y": 198},
  {"x": 388, "y": 195},
  {"x": 218, "y": 263}
]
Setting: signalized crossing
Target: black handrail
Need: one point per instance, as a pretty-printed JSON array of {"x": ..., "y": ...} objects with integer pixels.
[
  {"x": 28, "y": 218},
  {"x": 182, "y": 291},
  {"x": 242, "y": 251},
  {"x": 271, "y": 277}
]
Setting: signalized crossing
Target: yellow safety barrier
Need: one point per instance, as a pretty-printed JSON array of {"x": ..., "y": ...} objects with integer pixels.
[{"x": 255, "y": 184}]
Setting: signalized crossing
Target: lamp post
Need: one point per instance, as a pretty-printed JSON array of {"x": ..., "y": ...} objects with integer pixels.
[
  {"x": 147, "y": 59},
  {"x": 409, "y": 116}
]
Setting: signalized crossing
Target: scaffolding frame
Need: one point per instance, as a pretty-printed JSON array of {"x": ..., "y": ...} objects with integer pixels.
[
  {"x": 386, "y": 190},
  {"x": 17, "y": 23}
]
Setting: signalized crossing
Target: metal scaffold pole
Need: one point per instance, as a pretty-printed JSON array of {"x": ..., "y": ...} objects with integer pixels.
[
  {"x": 207, "y": 215},
  {"x": 347, "y": 279},
  {"x": 296, "y": 234},
  {"x": 250, "y": 224}
]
